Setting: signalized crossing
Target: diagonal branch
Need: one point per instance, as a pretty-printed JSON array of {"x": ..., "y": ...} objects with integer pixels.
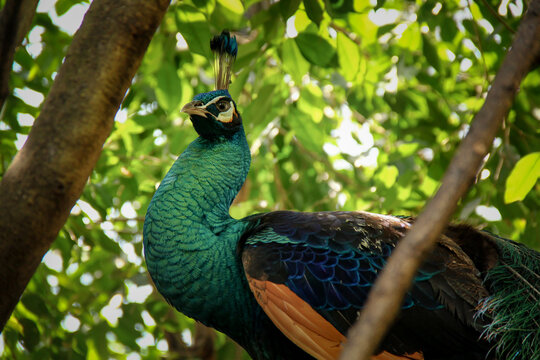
[
  {"x": 387, "y": 294},
  {"x": 49, "y": 173}
]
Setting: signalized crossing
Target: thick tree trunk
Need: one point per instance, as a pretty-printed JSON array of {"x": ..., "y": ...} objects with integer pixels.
[
  {"x": 387, "y": 294},
  {"x": 48, "y": 175}
]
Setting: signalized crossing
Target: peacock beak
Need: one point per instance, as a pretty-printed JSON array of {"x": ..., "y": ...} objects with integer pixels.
[{"x": 195, "y": 108}]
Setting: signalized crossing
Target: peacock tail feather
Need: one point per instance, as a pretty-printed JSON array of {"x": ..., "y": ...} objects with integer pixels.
[{"x": 514, "y": 303}]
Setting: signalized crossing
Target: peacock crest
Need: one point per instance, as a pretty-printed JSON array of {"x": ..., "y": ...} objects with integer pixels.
[{"x": 225, "y": 48}]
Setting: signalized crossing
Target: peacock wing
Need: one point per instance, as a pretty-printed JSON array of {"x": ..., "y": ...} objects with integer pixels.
[{"x": 311, "y": 272}]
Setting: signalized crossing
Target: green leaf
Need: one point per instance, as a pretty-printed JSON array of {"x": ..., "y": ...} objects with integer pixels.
[
  {"x": 193, "y": 26},
  {"x": 234, "y": 6},
  {"x": 310, "y": 102},
  {"x": 63, "y": 6},
  {"x": 349, "y": 57},
  {"x": 308, "y": 132},
  {"x": 315, "y": 49},
  {"x": 407, "y": 149},
  {"x": 92, "y": 353},
  {"x": 228, "y": 14},
  {"x": 293, "y": 61},
  {"x": 97, "y": 342},
  {"x": 361, "y": 24},
  {"x": 156, "y": 52},
  {"x": 31, "y": 335},
  {"x": 430, "y": 52},
  {"x": 35, "y": 304},
  {"x": 261, "y": 106},
  {"x": 314, "y": 10},
  {"x": 410, "y": 38},
  {"x": 168, "y": 90},
  {"x": 339, "y": 8},
  {"x": 238, "y": 83},
  {"x": 449, "y": 30},
  {"x": 388, "y": 176},
  {"x": 64, "y": 244},
  {"x": 302, "y": 21},
  {"x": 288, "y": 8},
  {"x": 522, "y": 178},
  {"x": 246, "y": 54}
]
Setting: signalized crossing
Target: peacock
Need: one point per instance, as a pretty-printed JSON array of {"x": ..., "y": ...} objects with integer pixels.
[{"x": 288, "y": 285}]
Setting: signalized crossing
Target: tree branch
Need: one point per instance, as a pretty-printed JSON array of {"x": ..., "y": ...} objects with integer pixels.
[
  {"x": 15, "y": 20},
  {"x": 48, "y": 175},
  {"x": 202, "y": 346},
  {"x": 387, "y": 294},
  {"x": 497, "y": 16}
]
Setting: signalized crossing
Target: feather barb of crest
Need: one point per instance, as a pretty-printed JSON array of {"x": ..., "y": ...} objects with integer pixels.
[{"x": 225, "y": 48}]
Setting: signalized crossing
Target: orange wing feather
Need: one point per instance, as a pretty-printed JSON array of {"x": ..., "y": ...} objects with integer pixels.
[
  {"x": 297, "y": 320},
  {"x": 387, "y": 356},
  {"x": 301, "y": 324}
]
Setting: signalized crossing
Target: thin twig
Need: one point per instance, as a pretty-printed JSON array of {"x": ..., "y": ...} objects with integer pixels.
[
  {"x": 120, "y": 219},
  {"x": 342, "y": 177},
  {"x": 283, "y": 195},
  {"x": 347, "y": 33},
  {"x": 480, "y": 48},
  {"x": 499, "y": 18}
]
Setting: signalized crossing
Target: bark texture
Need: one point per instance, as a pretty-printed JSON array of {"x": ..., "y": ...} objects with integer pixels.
[
  {"x": 387, "y": 294},
  {"x": 49, "y": 173}
]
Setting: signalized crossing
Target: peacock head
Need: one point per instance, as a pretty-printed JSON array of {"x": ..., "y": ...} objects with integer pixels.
[{"x": 214, "y": 114}]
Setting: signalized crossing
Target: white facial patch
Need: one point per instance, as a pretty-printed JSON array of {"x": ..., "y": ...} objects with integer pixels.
[
  {"x": 215, "y": 100},
  {"x": 227, "y": 116}
]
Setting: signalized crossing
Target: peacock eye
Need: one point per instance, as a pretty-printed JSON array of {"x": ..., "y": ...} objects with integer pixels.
[{"x": 223, "y": 105}]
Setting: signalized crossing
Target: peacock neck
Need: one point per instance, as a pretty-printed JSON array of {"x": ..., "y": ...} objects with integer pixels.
[
  {"x": 189, "y": 236},
  {"x": 209, "y": 174}
]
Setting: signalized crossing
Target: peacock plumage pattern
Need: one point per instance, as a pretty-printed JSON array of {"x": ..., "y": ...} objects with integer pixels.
[{"x": 288, "y": 285}]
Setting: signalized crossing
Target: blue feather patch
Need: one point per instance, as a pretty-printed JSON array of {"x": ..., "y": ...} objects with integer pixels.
[{"x": 224, "y": 44}]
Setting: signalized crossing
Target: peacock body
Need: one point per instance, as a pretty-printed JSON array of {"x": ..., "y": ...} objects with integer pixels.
[
  {"x": 189, "y": 238},
  {"x": 288, "y": 285}
]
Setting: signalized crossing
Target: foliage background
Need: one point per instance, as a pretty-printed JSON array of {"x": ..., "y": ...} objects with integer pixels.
[{"x": 347, "y": 105}]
